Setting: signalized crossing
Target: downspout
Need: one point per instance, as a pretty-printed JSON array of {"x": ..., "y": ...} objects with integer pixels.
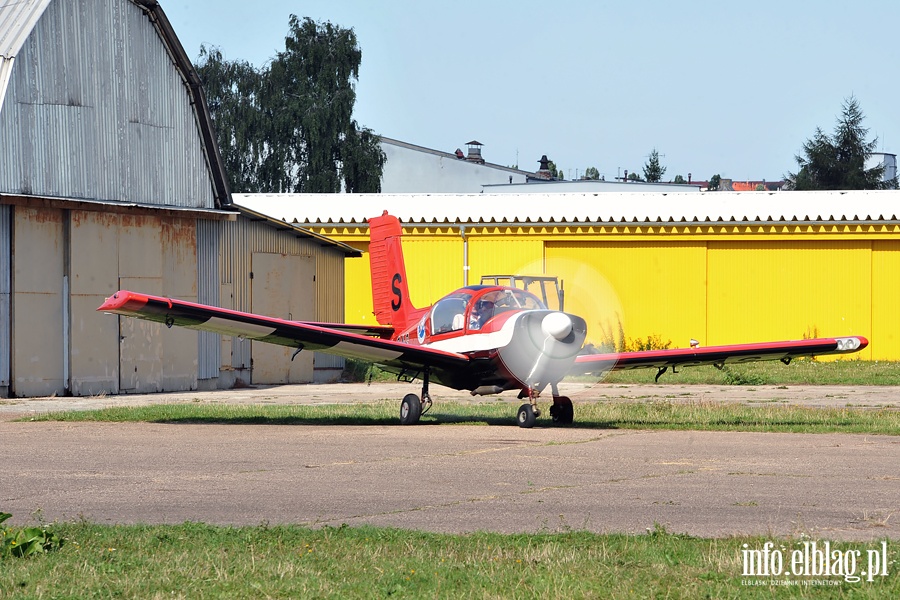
[{"x": 462, "y": 234}]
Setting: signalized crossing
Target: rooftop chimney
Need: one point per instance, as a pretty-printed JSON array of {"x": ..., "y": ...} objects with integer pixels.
[
  {"x": 475, "y": 152},
  {"x": 544, "y": 170}
]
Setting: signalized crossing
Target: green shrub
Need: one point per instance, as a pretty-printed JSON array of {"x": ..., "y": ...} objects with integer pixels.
[
  {"x": 26, "y": 542},
  {"x": 360, "y": 371}
]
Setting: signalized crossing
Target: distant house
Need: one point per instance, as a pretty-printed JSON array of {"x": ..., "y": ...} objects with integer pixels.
[
  {"x": 886, "y": 160},
  {"x": 411, "y": 168},
  {"x": 731, "y": 185},
  {"x": 415, "y": 169}
]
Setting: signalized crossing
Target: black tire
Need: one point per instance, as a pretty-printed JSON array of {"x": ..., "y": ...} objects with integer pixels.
[
  {"x": 410, "y": 409},
  {"x": 526, "y": 416},
  {"x": 562, "y": 412}
]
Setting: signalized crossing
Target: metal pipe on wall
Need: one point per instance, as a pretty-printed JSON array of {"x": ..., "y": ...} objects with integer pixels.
[{"x": 462, "y": 234}]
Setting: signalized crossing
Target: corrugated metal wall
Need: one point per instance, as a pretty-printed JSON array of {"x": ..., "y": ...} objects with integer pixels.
[
  {"x": 438, "y": 258},
  {"x": 718, "y": 285},
  {"x": 763, "y": 290},
  {"x": 650, "y": 288},
  {"x": 95, "y": 78},
  {"x": 208, "y": 247},
  {"x": 5, "y": 287},
  {"x": 886, "y": 298},
  {"x": 241, "y": 239},
  {"x": 496, "y": 256}
]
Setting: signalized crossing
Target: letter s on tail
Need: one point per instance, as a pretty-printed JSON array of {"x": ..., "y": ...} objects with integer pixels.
[{"x": 390, "y": 292}]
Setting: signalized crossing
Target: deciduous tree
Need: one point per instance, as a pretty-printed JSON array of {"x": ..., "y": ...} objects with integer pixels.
[{"x": 289, "y": 127}]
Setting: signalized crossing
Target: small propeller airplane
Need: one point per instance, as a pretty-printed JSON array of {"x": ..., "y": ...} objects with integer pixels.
[{"x": 483, "y": 338}]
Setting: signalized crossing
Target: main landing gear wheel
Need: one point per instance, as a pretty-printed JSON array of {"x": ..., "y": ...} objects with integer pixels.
[
  {"x": 562, "y": 411},
  {"x": 526, "y": 416},
  {"x": 410, "y": 410}
]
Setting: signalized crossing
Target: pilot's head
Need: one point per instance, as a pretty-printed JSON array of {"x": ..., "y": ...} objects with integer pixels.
[{"x": 484, "y": 305}]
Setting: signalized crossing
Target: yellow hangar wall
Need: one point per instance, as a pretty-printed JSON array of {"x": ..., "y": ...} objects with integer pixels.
[{"x": 719, "y": 284}]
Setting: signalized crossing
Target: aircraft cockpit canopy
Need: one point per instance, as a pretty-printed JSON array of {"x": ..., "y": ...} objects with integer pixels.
[{"x": 449, "y": 314}]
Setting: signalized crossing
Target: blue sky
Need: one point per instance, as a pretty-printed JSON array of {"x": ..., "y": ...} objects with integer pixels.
[{"x": 717, "y": 87}]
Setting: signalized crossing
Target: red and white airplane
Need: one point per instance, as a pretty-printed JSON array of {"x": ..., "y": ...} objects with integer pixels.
[{"x": 482, "y": 338}]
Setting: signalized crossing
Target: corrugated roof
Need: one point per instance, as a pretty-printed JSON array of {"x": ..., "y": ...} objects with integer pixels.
[
  {"x": 298, "y": 230},
  {"x": 685, "y": 208},
  {"x": 17, "y": 19}
]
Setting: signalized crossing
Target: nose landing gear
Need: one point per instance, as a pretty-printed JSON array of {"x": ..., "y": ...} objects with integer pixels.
[
  {"x": 526, "y": 416},
  {"x": 561, "y": 412}
]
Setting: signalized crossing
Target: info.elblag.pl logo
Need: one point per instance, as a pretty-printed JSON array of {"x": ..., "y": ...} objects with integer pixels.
[{"x": 815, "y": 559}]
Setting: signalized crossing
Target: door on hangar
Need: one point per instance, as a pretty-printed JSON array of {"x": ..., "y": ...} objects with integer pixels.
[
  {"x": 140, "y": 346},
  {"x": 282, "y": 286}
]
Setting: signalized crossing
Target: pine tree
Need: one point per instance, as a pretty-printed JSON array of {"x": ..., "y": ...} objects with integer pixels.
[
  {"x": 838, "y": 161},
  {"x": 653, "y": 171}
]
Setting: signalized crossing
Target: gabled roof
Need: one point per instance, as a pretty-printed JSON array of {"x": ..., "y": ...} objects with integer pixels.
[
  {"x": 298, "y": 231},
  {"x": 609, "y": 208}
]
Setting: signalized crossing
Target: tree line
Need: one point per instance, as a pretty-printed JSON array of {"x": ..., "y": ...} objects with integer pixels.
[{"x": 288, "y": 126}]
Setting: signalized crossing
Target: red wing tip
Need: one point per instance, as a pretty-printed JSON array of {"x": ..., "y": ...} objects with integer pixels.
[
  {"x": 852, "y": 343},
  {"x": 119, "y": 299}
]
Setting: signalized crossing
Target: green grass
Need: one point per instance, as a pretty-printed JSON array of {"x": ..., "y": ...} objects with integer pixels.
[
  {"x": 708, "y": 416},
  {"x": 200, "y": 561},
  {"x": 799, "y": 372}
]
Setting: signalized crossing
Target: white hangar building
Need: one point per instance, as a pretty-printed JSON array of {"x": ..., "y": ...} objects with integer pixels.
[
  {"x": 409, "y": 168},
  {"x": 110, "y": 178}
]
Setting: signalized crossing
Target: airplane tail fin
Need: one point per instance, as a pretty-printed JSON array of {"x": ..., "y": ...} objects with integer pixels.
[{"x": 390, "y": 292}]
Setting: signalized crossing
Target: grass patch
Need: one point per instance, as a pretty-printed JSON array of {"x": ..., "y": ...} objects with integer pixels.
[
  {"x": 703, "y": 416},
  {"x": 799, "y": 372},
  {"x": 200, "y": 561}
]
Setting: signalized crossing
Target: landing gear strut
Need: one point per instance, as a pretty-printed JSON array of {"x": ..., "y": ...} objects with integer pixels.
[
  {"x": 411, "y": 408},
  {"x": 561, "y": 411}
]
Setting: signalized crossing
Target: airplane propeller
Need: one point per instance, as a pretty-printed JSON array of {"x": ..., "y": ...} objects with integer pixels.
[{"x": 544, "y": 344}]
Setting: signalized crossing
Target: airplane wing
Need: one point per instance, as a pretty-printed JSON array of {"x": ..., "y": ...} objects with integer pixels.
[
  {"x": 716, "y": 355},
  {"x": 339, "y": 339},
  {"x": 380, "y": 331}
]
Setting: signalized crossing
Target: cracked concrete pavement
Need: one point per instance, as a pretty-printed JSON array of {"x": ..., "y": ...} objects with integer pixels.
[{"x": 457, "y": 478}]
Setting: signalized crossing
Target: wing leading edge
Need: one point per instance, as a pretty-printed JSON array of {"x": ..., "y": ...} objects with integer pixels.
[
  {"x": 717, "y": 355},
  {"x": 338, "y": 339}
]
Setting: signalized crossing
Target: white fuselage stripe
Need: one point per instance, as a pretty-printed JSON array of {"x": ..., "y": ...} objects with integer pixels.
[{"x": 474, "y": 342}]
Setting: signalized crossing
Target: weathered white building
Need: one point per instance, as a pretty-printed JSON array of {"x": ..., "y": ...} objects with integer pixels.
[
  {"x": 411, "y": 168},
  {"x": 415, "y": 169}
]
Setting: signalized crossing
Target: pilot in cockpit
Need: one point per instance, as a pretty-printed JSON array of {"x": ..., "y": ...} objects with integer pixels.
[{"x": 481, "y": 313}]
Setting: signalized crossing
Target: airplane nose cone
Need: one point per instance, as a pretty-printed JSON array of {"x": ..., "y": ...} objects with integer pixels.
[{"x": 557, "y": 325}]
